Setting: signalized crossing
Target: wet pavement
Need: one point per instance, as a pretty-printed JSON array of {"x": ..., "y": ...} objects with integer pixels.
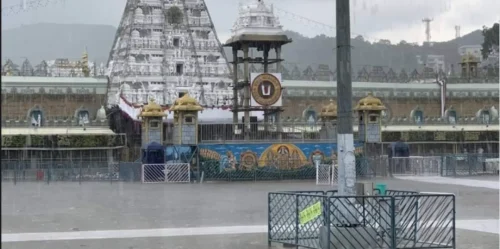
[
  {"x": 465, "y": 240},
  {"x": 70, "y": 207}
]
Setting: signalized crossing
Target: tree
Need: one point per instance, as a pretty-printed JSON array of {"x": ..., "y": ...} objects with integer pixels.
[
  {"x": 490, "y": 43},
  {"x": 359, "y": 38},
  {"x": 384, "y": 42},
  {"x": 174, "y": 15},
  {"x": 402, "y": 43}
]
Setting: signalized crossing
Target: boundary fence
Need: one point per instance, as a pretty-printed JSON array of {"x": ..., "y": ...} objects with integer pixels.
[
  {"x": 470, "y": 164},
  {"x": 456, "y": 165},
  {"x": 77, "y": 171},
  {"x": 399, "y": 219}
]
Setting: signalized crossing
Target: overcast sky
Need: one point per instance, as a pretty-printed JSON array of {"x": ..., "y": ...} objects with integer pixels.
[{"x": 375, "y": 19}]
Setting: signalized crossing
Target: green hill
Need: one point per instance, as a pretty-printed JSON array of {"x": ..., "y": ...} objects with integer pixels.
[{"x": 50, "y": 41}]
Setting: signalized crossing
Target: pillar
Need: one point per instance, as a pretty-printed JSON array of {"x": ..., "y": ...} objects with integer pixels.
[
  {"x": 246, "y": 103},
  {"x": 278, "y": 69},
  {"x": 235, "y": 84}
]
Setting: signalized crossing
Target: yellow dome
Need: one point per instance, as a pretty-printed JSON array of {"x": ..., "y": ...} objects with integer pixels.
[
  {"x": 186, "y": 103},
  {"x": 329, "y": 110},
  {"x": 370, "y": 103},
  {"x": 152, "y": 109}
]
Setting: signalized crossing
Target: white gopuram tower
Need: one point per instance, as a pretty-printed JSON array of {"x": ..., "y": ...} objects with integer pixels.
[{"x": 165, "y": 48}]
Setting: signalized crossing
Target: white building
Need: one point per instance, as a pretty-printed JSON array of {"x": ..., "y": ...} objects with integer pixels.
[
  {"x": 433, "y": 61},
  {"x": 167, "y": 47},
  {"x": 475, "y": 50}
]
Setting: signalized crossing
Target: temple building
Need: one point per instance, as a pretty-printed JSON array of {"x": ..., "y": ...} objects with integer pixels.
[{"x": 166, "y": 48}]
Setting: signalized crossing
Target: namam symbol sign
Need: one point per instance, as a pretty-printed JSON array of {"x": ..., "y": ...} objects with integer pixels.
[{"x": 266, "y": 89}]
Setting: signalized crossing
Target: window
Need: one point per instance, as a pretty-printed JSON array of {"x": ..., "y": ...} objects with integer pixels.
[
  {"x": 154, "y": 124},
  {"x": 179, "y": 68},
  {"x": 373, "y": 118},
  {"x": 188, "y": 120},
  {"x": 176, "y": 42},
  {"x": 197, "y": 13}
]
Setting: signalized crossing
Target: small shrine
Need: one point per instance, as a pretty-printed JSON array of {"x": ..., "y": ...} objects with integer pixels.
[
  {"x": 369, "y": 111},
  {"x": 329, "y": 112},
  {"x": 185, "y": 129},
  {"x": 328, "y": 117},
  {"x": 152, "y": 123}
]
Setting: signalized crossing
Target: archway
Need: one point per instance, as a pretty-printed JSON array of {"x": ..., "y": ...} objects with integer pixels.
[
  {"x": 82, "y": 116},
  {"x": 36, "y": 116}
]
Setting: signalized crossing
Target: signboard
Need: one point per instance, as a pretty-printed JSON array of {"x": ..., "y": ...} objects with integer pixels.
[
  {"x": 310, "y": 213},
  {"x": 266, "y": 89}
]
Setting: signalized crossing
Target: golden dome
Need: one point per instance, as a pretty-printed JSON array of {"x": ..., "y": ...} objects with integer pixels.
[
  {"x": 152, "y": 109},
  {"x": 329, "y": 110},
  {"x": 469, "y": 58},
  {"x": 186, "y": 103},
  {"x": 370, "y": 103}
]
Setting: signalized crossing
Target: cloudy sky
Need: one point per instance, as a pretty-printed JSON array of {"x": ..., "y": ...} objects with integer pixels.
[{"x": 374, "y": 19}]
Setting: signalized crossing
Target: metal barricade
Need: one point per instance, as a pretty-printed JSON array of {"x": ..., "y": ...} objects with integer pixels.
[
  {"x": 410, "y": 220},
  {"x": 178, "y": 172},
  {"x": 323, "y": 174},
  {"x": 166, "y": 173}
]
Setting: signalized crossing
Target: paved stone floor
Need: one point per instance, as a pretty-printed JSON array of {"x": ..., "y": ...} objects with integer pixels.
[{"x": 69, "y": 207}]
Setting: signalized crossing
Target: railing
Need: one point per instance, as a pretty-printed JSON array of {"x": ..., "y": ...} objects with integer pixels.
[
  {"x": 51, "y": 171},
  {"x": 300, "y": 131},
  {"x": 416, "y": 165},
  {"x": 315, "y": 219}
]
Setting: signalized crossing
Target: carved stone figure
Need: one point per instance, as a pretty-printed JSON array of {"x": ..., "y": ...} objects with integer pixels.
[{"x": 182, "y": 41}]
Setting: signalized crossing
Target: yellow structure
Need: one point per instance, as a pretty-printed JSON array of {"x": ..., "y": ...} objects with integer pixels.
[
  {"x": 469, "y": 65},
  {"x": 152, "y": 123},
  {"x": 185, "y": 111},
  {"x": 85, "y": 64},
  {"x": 328, "y": 116},
  {"x": 369, "y": 113},
  {"x": 329, "y": 111},
  {"x": 8, "y": 70}
]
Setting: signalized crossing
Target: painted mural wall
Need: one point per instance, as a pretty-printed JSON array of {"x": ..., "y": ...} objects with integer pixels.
[{"x": 284, "y": 156}]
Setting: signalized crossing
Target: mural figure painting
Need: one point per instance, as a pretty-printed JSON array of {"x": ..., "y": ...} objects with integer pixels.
[{"x": 269, "y": 156}]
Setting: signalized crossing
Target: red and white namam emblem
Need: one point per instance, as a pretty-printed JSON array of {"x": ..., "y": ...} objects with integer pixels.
[{"x": 266, "y": 89}]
